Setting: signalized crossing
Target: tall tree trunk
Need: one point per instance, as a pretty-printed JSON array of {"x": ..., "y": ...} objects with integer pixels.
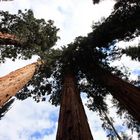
[
  {"x": 72, "y": 123},
  {"x": 13, "y": 82},
  {"x": 127, "y": 94}
]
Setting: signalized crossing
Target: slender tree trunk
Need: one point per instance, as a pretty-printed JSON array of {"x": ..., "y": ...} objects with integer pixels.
[
  {"x": 15, "y": 81},
  {"x": 6, "y": 107},
  {"x": 127, "y": 94},
  {"x": 72, "y": 123},
  {"x": 112, "y": 126}
]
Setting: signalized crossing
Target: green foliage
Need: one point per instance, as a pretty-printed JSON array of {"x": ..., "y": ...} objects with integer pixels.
[
  {"x": 33, "y": 36},
  {"x": 41, "y": 84},
  {"x": 133, "y": 52},
  {"x": 122, "y": 24}
]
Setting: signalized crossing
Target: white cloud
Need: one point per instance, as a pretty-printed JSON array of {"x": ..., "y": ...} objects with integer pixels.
[
  {"x": 130, "y": 65},
  {"x": 125, "y": 44},
  {"x": 26, "y": 118},
  {"x": 73, "y": 17}
]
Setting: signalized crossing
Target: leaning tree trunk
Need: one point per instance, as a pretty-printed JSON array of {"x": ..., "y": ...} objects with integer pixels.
[
  {"x": 13, "y": 82},
  {"x": 127, "y": 94},
  {"x": 72, "y": 123},
  {"x": 111, "y": 124},
  {"x": 8, "y": 39},
  {"x": 6, "y": 107}
]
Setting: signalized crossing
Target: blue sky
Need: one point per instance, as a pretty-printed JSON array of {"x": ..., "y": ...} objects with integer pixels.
[{"x": 28, "y": 120}]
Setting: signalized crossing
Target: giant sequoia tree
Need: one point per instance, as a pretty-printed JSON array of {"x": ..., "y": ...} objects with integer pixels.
[
  {"x": 72, "y": 119},
  {"x": 32, "y": 36},
  {"x": 118, "y": 26},
  {"x": 15, "y": 81},
  {"x": 85, "y": 58}
]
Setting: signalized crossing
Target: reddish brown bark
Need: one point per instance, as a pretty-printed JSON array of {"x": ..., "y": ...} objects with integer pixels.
[
  {"x": 72, "y": 123},
  {"x": 127, "y": 94},
  {"x": 7, "y": 36},
  {"x": 8, "y": 39},
  {"x": 15, "y": 81}
]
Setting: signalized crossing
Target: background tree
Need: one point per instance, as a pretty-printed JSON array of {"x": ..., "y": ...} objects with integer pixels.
[
  {"x": 6, "y": 107},
  {"x": 118, "y": 26},
  {"x": 133, "y": 52}
]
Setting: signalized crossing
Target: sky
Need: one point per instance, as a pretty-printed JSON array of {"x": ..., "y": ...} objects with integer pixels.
[{"x": 28, "y": 120}]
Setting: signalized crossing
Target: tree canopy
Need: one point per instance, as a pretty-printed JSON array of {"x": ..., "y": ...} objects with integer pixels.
[
  {"x": 33, "y": 36},
  {"x": 36, "y": 37}
]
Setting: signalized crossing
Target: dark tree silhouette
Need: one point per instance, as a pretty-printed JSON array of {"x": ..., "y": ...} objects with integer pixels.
[
  {"x": 133, "y": 52},
  {"x": 6, "y": 107}
]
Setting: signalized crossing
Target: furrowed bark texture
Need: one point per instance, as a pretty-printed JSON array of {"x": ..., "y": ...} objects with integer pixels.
[
  {"x": 127, "y": 94},
  {"x": 15, "y": 81},
  {"x": 73, "y": 124}
]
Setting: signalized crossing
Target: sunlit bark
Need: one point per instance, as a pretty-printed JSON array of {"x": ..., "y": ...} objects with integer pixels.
[
  {"x": 15, "y": 81},
  {"x": 8, "y": 39}
]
